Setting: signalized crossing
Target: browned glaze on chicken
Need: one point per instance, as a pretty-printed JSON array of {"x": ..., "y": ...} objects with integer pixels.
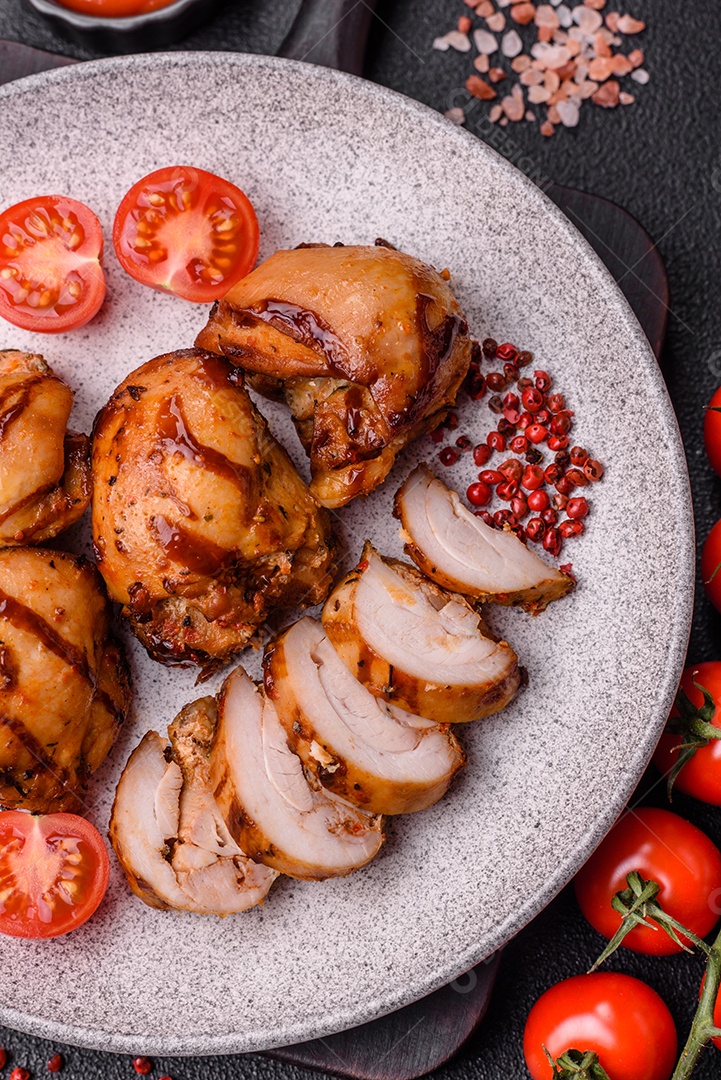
[
  {"x": 201, "y": 523},
  {"x": 44, "y": 469},
  {"x": 367, "y": 345},
  {"x": 64, "y": 683}
]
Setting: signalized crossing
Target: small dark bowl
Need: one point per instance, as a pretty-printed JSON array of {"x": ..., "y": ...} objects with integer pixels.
[{"x": 133, "y": 33}]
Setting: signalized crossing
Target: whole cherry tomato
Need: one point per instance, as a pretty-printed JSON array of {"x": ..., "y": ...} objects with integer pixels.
[
  {"x": 50, "y": 274},
  {"x": 186, "y": 231},
  {"x": 619, "y": 1018},
  {"x": 53, "y": 872},
  {"x": 712, "y": 431},
  {"x": 711, "y": 565},
  {"x": 664, "y": 848},
  {"x": 701, "y": 775}
]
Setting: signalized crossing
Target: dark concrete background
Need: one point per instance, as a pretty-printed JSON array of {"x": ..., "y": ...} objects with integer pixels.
[{"x": 661, "y": 160}]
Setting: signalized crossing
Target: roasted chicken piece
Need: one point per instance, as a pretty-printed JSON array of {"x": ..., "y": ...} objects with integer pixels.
[
  {"x": 371, "y": 753},
  {"x": 201, "y": 523},
  {"x": 460, "y": 552},
  {"x": 167, "y": 831},
  {"x": 277, "y": 813},
  {"x": 64, "y": 683},
  {"x": 44, "y": 468},
  {"x": 417, "y": 646},
  {"x": 367, "y": 345}
]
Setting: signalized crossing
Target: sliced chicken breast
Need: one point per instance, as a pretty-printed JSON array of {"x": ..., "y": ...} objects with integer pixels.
[
  {"x": 459, "y": 551},
  {"x": 417, "y": 646},
  {"x": 276, "y": 812},
  {"x": 371, "y": 753},
  {"x": 167, "y": 832}
]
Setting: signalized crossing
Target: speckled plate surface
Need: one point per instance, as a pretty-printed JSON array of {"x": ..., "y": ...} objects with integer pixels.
[{"x": 328, "y": 157}]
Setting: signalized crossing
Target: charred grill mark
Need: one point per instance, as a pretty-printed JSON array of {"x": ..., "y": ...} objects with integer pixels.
[
  {"x": 20, "y": 504},
  {"x": 23, "y": 734},
  {"x": 10, "y": 413},
  {"x": 199, "y": 555}
]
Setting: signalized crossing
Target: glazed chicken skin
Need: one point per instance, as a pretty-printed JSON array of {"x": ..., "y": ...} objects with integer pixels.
[
  {"x": 201, "y": 524},
  {"x": 367, "y": 345},
  {"x": 44, "y": 469},
  {"x": 64, "y": 683}
]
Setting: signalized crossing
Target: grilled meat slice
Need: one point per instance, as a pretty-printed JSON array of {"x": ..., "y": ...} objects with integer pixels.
[{"x": 417, "y": 646}]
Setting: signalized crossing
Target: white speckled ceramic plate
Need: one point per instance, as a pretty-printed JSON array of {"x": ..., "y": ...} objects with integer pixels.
[{"x": 328, "y": 157}]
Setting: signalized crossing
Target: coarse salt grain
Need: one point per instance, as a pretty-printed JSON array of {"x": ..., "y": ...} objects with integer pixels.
[
  {"x": 523, "y": 13},
  {"x": 511, "y": 44},
  {"x": 496, "y": 22},
  {"x": 485, "y": 42},
  {"x": 628, "y": 25},
  {"x": 495, "y": 114},
  {"x": 546, "y": 16},
  {"x": 456, "y": 116},
  {"x": 520, "y": 63},
  {"x": 485, "y": 9},
  {"x": 482, "y": 63},
  {"x": 625, "y": 98},
  {"x": 454, "y": 39},
  {"x": 640, "y": 75},
  {"x": 568, "y": 111}
]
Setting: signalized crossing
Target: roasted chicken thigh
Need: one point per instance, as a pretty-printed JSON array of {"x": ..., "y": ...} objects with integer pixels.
[
  {"x": 64, "y": 684},
  {"x": 44, "y": 469},
  {"x": 367, "y": 345},
  {"x": 201, "y": 523}
]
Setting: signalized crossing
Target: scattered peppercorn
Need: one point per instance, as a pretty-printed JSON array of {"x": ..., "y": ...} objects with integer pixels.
[
  {"x": 19, "y": 1074},
  {"x": 142, "y": 1065},
  {"x": 56, "y": 1063}
]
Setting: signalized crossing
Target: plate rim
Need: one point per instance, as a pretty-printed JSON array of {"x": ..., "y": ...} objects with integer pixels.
[{"x": 303, "y": 1030}]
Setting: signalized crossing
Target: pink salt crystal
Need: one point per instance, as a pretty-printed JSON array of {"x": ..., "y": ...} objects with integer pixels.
[
  {"x": 568, "y": 112},
  {"x": 464, "y": 24},
  {"x": 628, "y": 25},
  {"x": 482, "y": 63},
  {"x": 557, "y": 56},
  {"x": 531, "y": 77},
  {"x": 547, "y": 129},
  {"x": 587, "y": 89},
  {"x": 513, "y": 105},
  {"x": 612, "y": 20},
  {"x": 530, "y": 116},
  {"x": 511, "y": 44},
  {"x": 495, "y": 113},
  {"x": 626, "y": 98},
  {"x": 538, "y": 94},
  {"x": 503, "y": 3},
  {"x": 573, "y": 47},
  {"x": 588, "y": 19},
  {"x": 503, "y": 121},
  {"x": 521, "y": 63},
  {"x": 640, "y": 75},
  {"x": 485, "y": 42},
  {"x": 597, "y": 4},
  {"x": 636, "y": 57},
  {"x": 601, "y": 46},
  {"x": 600, "y": 68},
  {"x": 544, "y": 33},
  {"x": 496, "y": 22},
  {"x": 456, "y": 116},
  {"x": 620, "y": 64},
  {"x": 546, "y": 16},
  {"x": 552, "y": 81},
  {"x": 485, "y": 9},
  {"x": 607, "y": 95},
  {"x": 565, "y": 16},
  {"x": 553, "y": 115}
]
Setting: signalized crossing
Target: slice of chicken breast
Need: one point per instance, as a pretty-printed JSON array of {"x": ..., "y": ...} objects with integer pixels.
[
  {"x": 459, "y": 551},
  {"x": 371, "y": 753},
  {"x": 417, "y": 646},
  {"x": 276, "y": 812},
  {"x": 168, "y": 833}
]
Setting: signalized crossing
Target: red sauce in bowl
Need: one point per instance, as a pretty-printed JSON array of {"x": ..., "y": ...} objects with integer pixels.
[{"x": 114, "y": 8}]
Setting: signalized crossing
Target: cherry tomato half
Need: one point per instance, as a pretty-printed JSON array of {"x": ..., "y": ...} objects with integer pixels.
[
  {"x": 712, "y": 431},
  {"x": 114, "y": 8},
  {"x": 711, "y": 565},
  {"x": 701, "y": 776},
  {"x": 53, "y": 873},
  {"x": 50, "y": 274},
  {"x": 620, "y": 1018},
  {"x": 664, "y": 848},
  {"x": 186, "y": 231}
]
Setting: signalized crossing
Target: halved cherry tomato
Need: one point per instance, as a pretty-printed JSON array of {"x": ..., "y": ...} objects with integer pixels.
[
  {"x": 50, "y": 274},
  {"x": 712, "y": 431},
  {"x": 711, "y": 565},
  {"x": 664, "y": 848},
  {"x": 53, "y": 873},
  {"x": 701, "y": 775},
  {"x": 114, "y": 8},
  {"x": 186, "y": 231},
  {"x": 618, "y": 1017}
]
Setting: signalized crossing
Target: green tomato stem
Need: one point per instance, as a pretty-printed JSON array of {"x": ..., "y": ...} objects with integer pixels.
[{"x": 703, "y": 1028}]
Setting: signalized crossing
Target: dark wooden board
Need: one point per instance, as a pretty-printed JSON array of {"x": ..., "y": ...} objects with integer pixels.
[{"x": 423, "y": 1036}]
